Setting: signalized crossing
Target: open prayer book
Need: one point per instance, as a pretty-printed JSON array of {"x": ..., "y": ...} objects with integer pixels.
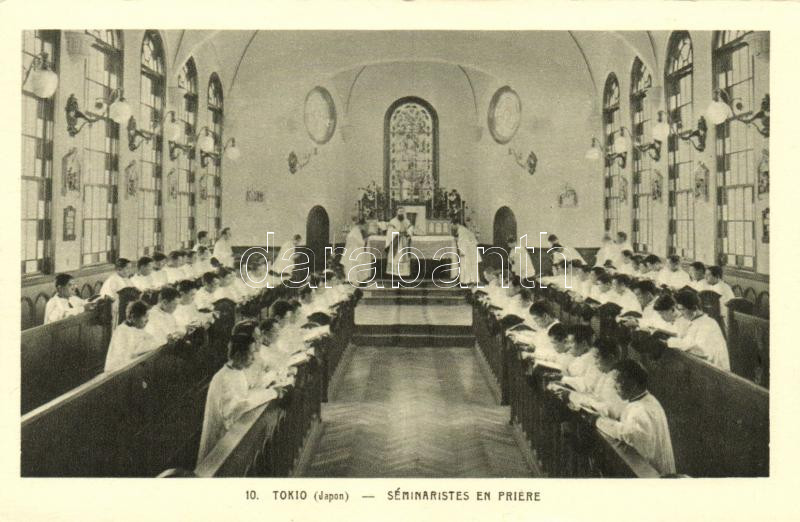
[
  {"x": 297, "y": 359},
  {"x": 316, "y": 333},
  {"x": 549, "y": 364},
  {"x": 260, "y": 397}
]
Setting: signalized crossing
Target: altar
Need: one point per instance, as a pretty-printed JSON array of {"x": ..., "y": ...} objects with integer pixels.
[
  {"x": 425, "y": 247},
  {"x": 429, "y": 208}
]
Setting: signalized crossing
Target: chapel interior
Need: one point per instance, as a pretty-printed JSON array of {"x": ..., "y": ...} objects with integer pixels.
[{"x": 214, "y": 153}]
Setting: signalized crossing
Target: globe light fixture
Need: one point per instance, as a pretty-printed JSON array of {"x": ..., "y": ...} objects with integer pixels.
[{"x": 39, "y": 79}]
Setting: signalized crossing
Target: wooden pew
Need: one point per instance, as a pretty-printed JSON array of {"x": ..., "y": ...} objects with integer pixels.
[
  {"x": 266, "y": 441},
  {"x": 580, "y": 450},
  {"x": 59, "y": 356},
  {"x": 135, "y": 421},
  {"x": 748, "y": 342},
  {"x": 719, "y": 421},
  {"x": 129, "y": 422}
]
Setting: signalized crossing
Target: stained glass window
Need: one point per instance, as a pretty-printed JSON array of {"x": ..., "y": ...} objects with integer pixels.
[
  {"x": 614, "y": 183},
  {"x": 679, "y": 90},
  {"x": 183, "y": 182},
  {"x": 101, "y": 152},
  {"x": 412, "y": 168},
  {"x": 37, "y": 158},
  {"x": 151, "y": 103},
  {"x": 641, "y": 182},
  {"x": 736, "y": 155}
]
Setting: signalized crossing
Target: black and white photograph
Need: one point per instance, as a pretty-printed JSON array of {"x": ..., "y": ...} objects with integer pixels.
[{"x": 413, "y": 253}]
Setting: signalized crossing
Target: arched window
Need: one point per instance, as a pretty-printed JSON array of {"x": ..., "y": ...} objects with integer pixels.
[
  {"x": 151, "y": 103},
  {"x": 614, "y": 184},
  {"x": 37, "y": 157},
  {"x": 641, "y": 182},
  {"x": 101, "y": 152},
  {"x": 183, "y": 182},
  {"x": 211, "y": 182},
  {"x": 679, "y": 91},
  {"x": 736, "y": 153},
  {"x": 411, "y": 138}
]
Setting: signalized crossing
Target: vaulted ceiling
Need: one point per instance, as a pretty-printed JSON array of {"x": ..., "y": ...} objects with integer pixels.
[{"x": 557, "y": 55}]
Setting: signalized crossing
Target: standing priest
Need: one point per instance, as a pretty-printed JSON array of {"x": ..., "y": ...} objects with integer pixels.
[
  {"x": 469, "y": 258},
  {"x": 353, "y": 247},
  {"x": 398, "y": 237}
]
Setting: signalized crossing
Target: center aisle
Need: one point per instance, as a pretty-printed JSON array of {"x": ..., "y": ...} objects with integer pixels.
[{"x": 414, "y": 412}]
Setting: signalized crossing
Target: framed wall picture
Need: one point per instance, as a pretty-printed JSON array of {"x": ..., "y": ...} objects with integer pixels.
[
  {"x": 72, "y": 171},
  {"x": 69, "y": 224},
  {"x": 505, "y": 113},
  {"x": 568, "y": 197},
  {"x": 320, "y": 115},
  {"x": 763, "y": 174}
]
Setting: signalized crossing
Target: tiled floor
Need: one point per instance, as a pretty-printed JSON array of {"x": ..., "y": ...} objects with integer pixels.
[{"x": 414, "y": 412}]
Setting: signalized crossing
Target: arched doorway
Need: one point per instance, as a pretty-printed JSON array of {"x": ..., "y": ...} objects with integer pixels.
[
  {"x": 505, "y": 226},
  {"x": 318, "y": 235}
]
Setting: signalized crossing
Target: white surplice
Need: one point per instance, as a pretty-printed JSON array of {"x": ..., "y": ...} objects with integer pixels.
[
  {"x": 174, "y": 274},
  {"x": 186, "y": 314},
  {"x": 677, "y": 279},
  {"x": 161, "y": 325},
  {"x": 205, "y": 299},
  {"x": 354, "y": 246},
  {"x": 144, "y": 282},
  {"x": 229, "y": 396},
  {"x": 626, "y": 300},
  {"x": 521, "y": 264},
  {"x": 159, "y": 277},
  {"x": 469, "y": 255},
  {"x": 223, "y": 252},
  {"x": 725, "y": 294},
  {"x": 643, "y": 425},
  {"x": 704, "y": 336},
  {"x": 402, "y": 230},
  {"x": 128, "y": 343},
  {"x": 58, "y": 308},
  {"x": 113, "y": 284},
  {"x": 284, "y": 259}
]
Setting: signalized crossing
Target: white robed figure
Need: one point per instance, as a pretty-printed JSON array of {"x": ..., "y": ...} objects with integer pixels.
[
  {"x": 286, "y": 258},
  {"x": 222, "y": 248},
  {"x": 234, "y": 390},
  {"x": 468, "y": 254},
  {"x": 354, "y": 245},
  {"x": 398, "y": 236}
]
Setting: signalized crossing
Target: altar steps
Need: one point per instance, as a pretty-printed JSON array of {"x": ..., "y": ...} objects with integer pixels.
[
  {"x": 427, "y": 295},
  {"x": 414, "y": 317}
]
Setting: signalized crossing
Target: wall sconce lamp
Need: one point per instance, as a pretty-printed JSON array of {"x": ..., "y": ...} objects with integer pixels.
[
  {"x": 39, "y": 78},
  {"x": 114, "y": 108},
  {"x": 171, "y": 129},
  {"x": 723, "y": 108},
  {"x": 697, "y": 137},
  {"x": 618, "y": 151},
  {"x": 176, "y": 149},
  {"x": 207, "y": 150},
  {"x": 296, "y": 164},
  {"x": 661, "y": 131},
  {"x": 231, "y": 151},
  {"x": 529, "y": 164}
]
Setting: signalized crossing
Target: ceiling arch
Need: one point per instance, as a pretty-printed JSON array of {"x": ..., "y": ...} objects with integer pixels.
[{"x": 498, "y": 51}]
